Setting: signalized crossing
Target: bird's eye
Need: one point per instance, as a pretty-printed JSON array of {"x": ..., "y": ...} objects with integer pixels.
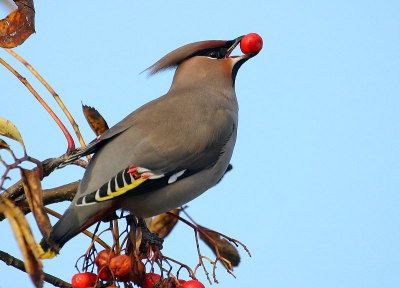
[{"x": 213, "y": 54}]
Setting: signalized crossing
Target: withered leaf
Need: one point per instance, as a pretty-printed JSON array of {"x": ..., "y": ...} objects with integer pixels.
[
  {"x": 164, "y": 223},
  {"x": 138, "y": 270},
  {"x": 4, "y": 145},
  {"x": 33, "y": 192},
  {"x": 138, "y": 232},
  {"x": 225, "y": 248},
  {"x": 95, "y": 120},
  {"x": 18, "y": 25},
  {"x": 25, "y": 240},
  {"x": 137, "y": 273},
  {"x": 9, "y": 130}
]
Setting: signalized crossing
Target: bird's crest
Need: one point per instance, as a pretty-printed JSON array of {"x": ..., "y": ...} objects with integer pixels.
[{"x": 176, "y": 57}]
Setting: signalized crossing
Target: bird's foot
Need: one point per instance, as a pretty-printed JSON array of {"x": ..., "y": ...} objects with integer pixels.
[{"x": 149, "y": 239}]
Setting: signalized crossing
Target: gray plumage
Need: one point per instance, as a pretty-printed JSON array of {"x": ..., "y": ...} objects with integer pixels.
[{"x": 187, "y": 136}]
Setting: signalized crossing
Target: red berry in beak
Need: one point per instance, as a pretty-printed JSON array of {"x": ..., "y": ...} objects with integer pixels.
[{"x": 251, "y": 43}]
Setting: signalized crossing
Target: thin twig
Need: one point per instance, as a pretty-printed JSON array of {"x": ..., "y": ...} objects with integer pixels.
[
  {"x": 71, "y": 144},
  {"x": 52, "y": 92}
]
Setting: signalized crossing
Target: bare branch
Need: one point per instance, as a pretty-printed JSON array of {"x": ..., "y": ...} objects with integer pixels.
[
  {"x": 16, "y": 263},
  {"x": 54, "y": 195},
  {"x": 16, "y": 190}
]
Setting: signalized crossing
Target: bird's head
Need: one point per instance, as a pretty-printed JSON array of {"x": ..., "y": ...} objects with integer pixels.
[{"x": 205, "y": 59}]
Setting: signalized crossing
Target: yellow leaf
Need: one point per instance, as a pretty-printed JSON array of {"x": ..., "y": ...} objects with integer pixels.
[{"x": 8, "y": 129}]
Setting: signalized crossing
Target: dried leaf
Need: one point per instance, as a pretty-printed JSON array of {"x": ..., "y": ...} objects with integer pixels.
[
  {"x": 225, "y": 248},
  {"x": 18, "y": 25},
  {"x": 137, "y": 273},
  {"x": 25, "y": 240},
  {"x": 33, "y": 192},
  {"x": 8, "y": 129},
  {"x": 138, "y": 270},
  {"x": 95, "y": 120},
  {"x": 164, "y": 223},
  {"x": 4, "y": 145},
  {"x": 138, "y": 232}
]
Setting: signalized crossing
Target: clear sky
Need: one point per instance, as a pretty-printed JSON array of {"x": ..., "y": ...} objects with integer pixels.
[{"x": 314, "y": 192}]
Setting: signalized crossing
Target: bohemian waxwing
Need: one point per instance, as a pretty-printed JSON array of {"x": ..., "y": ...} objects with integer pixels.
[{"x": 167, "y": 152}]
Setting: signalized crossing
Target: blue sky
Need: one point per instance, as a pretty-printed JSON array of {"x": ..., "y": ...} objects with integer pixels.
[{"x": 314, "y": 192}]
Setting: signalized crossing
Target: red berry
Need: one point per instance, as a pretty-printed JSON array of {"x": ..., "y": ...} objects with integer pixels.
[
  {"x": 193, "y": 284},
  {"x": 150, "y": 280},
  {"x": 104, "y": 273},
  {"x": 83, "y": 280},
  {"x": 120, "y": 265},
  {"x": 251, "y": 43},
  {"x": 103, "y": 257}
]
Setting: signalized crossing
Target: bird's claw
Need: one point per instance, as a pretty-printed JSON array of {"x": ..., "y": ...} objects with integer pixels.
[{"x": 149, "y": 239}]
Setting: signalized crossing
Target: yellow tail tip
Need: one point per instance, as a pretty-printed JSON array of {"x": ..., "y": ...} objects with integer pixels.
[{"x": 48, "y": 254}]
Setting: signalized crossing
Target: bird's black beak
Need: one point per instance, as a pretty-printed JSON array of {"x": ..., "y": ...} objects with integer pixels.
[{"x": 233, "y": 45}]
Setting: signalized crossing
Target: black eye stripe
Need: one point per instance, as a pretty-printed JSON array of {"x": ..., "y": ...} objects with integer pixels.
[
  {"x": 214, "y": 54},
  {"x": 217, "y": 53}
]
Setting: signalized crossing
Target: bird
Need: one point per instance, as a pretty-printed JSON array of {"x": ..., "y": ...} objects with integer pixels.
[{"x": 168, "y": 151}]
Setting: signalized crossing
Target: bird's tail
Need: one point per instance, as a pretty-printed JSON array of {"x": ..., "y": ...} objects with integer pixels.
[
  {"x": 63, "y": 231},
  {"x": 75, "y": 220},
  {"x": 45, "y": 251}
]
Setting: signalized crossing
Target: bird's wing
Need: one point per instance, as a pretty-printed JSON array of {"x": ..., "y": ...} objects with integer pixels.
[
  {"x": 156, "y": 151},
  {"x": 97, "y": 143}
]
